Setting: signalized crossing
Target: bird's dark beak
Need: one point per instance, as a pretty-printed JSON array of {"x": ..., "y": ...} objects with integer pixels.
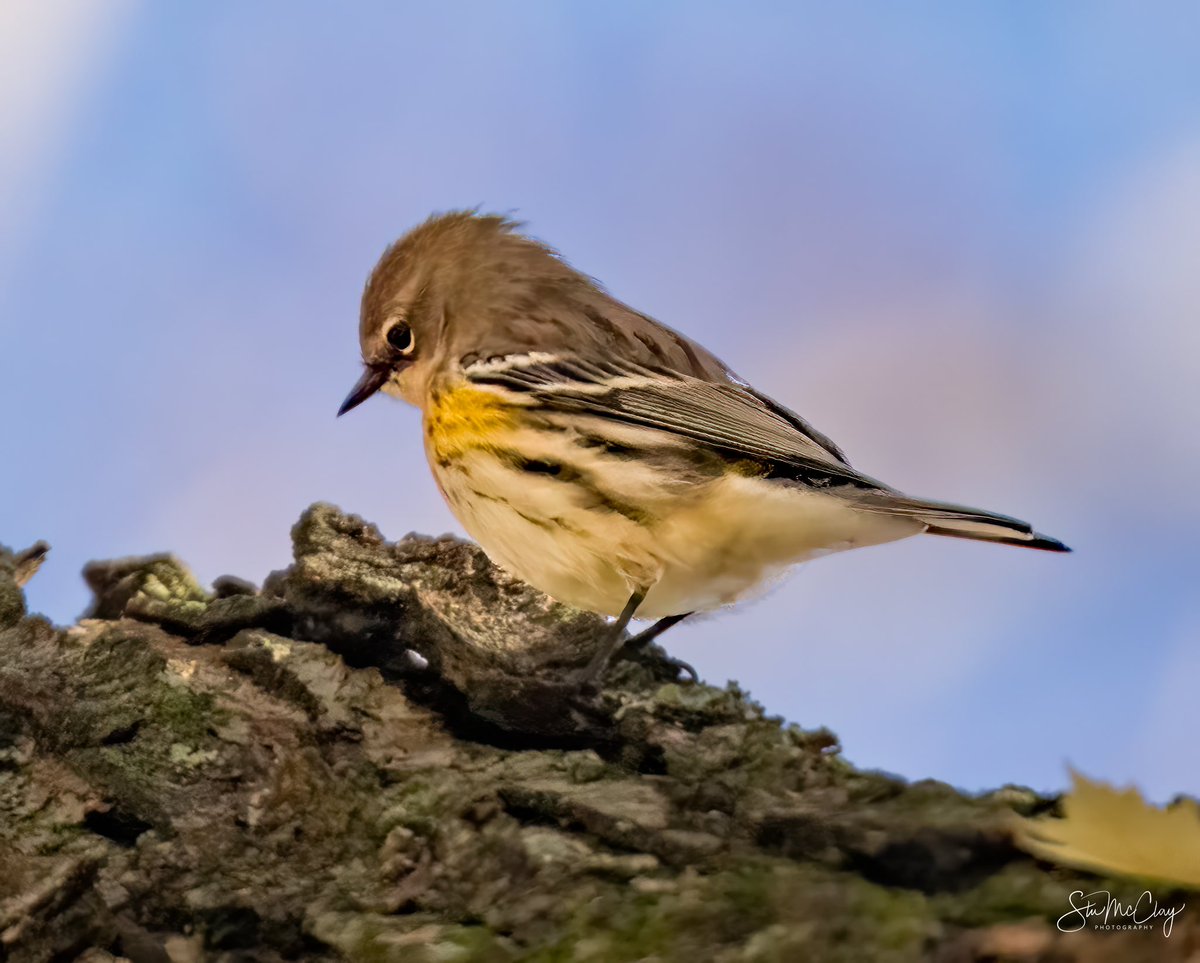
[{"x": 372, "y": 380}]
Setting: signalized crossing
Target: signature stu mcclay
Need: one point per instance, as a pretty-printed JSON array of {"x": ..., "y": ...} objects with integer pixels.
[{"x": 1114, "y": 914}]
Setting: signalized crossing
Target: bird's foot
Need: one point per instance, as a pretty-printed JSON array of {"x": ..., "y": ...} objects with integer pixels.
[{"x": 658, "y": 661}]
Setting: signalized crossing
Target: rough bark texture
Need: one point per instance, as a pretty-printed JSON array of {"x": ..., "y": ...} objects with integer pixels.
[{"x": 380, "y": 757}]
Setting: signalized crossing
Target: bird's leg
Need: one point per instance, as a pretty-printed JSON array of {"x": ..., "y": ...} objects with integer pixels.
[
  {"x": 613, "y": 642},
  {"x": 646, "y": 636},
  {"x": 639, "y": 642}
]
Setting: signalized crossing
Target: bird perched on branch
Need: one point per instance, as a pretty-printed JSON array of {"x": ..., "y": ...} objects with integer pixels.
[{"x": 602, "y": 457}]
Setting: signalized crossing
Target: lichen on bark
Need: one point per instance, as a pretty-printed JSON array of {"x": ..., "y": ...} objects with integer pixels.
[{"x": 380, "y": 756}]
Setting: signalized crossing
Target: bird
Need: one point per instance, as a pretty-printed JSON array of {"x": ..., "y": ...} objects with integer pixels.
[{"x": 602, "y": 457}]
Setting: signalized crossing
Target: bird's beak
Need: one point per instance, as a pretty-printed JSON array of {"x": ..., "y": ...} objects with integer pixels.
[{"x": 372, "y": 380}]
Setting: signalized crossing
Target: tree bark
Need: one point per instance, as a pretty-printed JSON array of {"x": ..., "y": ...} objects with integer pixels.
[{"x": 381, "y": 756}]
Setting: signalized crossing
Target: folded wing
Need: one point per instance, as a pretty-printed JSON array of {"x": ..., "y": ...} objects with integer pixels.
[{"x": 728, "y": 416}]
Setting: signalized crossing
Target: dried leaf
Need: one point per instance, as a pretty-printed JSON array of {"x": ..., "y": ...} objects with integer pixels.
[{"x": 1115, "y": 831}]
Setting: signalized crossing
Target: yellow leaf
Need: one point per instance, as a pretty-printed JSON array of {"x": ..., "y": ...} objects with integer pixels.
[{"x": 1116, "y": 832}]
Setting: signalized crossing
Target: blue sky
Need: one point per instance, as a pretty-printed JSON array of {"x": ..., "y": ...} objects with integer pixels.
[{"x": 958, "y": 238}]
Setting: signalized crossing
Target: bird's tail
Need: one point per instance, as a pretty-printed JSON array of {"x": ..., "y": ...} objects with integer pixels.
[{"x": 958, "y": 521}]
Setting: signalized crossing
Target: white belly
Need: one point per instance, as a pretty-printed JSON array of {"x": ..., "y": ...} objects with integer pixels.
[{"x": 697, "y": 550}]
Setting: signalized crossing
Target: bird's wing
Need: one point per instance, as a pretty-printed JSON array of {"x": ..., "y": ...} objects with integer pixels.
[{"x": 727, "y": 416}]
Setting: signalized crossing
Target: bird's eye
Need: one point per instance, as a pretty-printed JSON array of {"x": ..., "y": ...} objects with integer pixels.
[{"x": 400, "y": 337}]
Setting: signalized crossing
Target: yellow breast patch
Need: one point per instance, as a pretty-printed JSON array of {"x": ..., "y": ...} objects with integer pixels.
[{"x": 462, "y": 419}]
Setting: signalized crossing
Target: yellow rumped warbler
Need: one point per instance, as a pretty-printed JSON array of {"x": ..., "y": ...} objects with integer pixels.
[{"x": 600, "y": 456}]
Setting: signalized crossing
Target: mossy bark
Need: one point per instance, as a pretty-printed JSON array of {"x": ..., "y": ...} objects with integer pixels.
[{"x": 381, "y": 756}]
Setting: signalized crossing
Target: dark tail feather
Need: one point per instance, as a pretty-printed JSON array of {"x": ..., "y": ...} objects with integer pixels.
[
  {"x": 957, "y": 521},
  {"x": 1033, "y": 540}
]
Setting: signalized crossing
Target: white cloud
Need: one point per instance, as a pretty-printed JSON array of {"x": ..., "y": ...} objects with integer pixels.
[
  {"x": 1130, "y": 298},
  {"x": 50, "y": 53}
]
